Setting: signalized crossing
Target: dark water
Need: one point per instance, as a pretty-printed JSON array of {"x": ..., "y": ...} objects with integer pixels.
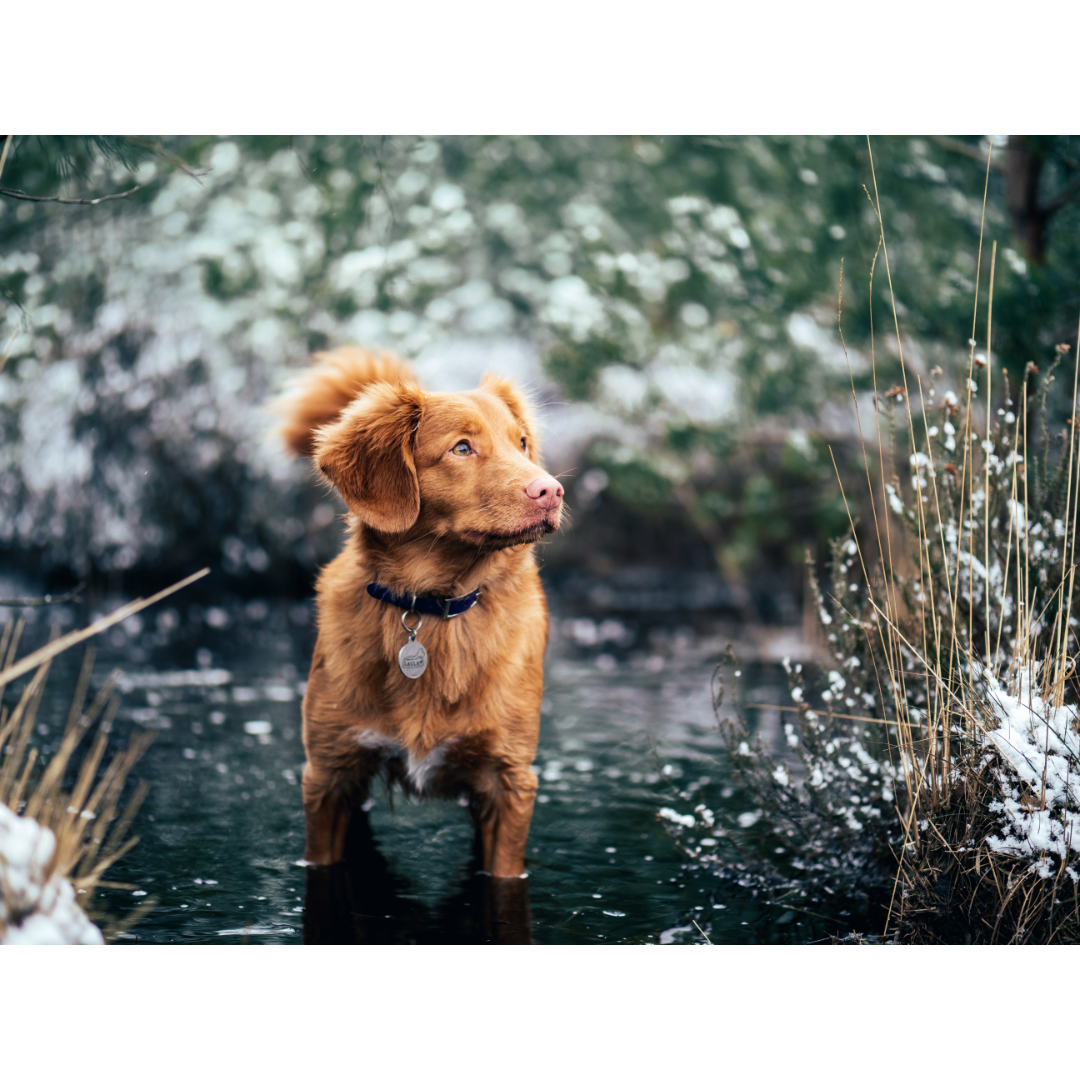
[{"x": 627, "y": 726}]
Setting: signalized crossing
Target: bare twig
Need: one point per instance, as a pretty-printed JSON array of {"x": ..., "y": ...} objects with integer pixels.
[
  {"x": 6, "y": 354},
  {"x": 54, "y": 648},
  {"x": 11, "y": 193},
  {"x": 40, "y": 601},
  {"x": 958, "y": 147},
  {"x": 174, "y": 160},
  {"x": 4, "y": 153},
  {"x": 838, "y": 715}
]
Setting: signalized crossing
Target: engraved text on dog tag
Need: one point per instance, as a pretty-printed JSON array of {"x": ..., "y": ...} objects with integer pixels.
[{"x": 412, "y": 659}]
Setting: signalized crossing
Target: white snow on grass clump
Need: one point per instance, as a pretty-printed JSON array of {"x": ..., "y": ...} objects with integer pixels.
[
  {"x": 1040, "y": 747},
  {"x": 37, "y": 905}
]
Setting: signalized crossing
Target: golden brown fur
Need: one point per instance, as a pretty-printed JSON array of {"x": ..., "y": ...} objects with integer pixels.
[
  {"x": 319, "y": 395},
  {"x": 425, "y": 518}
]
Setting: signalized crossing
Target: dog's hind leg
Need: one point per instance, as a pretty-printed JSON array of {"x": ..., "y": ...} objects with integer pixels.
[
  {"x": 513, "y": 917},
  {"x": 502, "y": 815},
  {"x": 482, "y": 810}
]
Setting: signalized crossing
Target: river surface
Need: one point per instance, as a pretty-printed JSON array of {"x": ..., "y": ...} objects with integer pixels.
[{"x": 628, "y": 729}]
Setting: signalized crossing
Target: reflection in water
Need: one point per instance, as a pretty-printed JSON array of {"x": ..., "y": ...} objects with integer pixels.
[{"x": 364, "y": 901}]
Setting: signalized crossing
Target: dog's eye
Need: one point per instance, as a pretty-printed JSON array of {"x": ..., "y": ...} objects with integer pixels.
[
  {"x": 523, "y": 446},
  {"x": 463, "y": 449}
]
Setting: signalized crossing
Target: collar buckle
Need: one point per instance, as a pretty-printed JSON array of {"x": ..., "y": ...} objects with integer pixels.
[{"x": 447, "y": 614}]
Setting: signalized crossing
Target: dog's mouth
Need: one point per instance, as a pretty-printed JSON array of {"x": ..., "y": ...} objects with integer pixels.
[{"x": 500, "y": 540}]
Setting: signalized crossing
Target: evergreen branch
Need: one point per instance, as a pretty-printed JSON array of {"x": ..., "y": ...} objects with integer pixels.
[{"x": 11, "y": 193}]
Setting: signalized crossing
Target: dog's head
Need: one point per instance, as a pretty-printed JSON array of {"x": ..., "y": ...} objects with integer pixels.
[{"x": 448, "y": 465}]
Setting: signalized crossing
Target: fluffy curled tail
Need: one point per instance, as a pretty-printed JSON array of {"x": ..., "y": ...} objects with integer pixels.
[{"x": 318, "y": 397}]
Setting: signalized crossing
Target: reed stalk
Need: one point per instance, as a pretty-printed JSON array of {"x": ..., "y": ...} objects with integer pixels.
[{"x": 81, "y": 792}]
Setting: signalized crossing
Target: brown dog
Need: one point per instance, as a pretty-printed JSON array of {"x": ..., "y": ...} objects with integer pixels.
[{"x": 446, "y": 496}]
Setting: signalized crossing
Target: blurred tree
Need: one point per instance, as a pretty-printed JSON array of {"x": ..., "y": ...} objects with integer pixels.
[
  {"x": 683, "y": 292},
  {"x": 1028, "y": 159}
]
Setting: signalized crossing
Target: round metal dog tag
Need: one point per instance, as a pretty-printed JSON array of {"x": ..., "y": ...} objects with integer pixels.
[{"x": 412, "y": 659}]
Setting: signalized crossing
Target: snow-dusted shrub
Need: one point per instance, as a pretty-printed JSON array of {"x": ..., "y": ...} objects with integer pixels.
[
  {"x": 63, "y": 821},
  {"x": 37, "y": 903},
  {"x": 937, "y": 759},
  {"x": 1036, "y": 768},
  {"x": 826, "y": 802}
]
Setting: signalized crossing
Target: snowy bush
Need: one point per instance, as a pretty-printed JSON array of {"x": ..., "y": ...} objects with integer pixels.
[
  {"x": 936, "y": 762},
  {"x": 1037, "y": 771},
  {"x": 37, "y": 903}
]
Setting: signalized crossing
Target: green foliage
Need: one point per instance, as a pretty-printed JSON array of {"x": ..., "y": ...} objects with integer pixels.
[
  {"x": 683, "y": 290},
  {"x": 576, "y": 366},
  {"x": 639, "y": 479},
  {"x": 684, "y": 438},
  {"x": 222, "y": 285}
]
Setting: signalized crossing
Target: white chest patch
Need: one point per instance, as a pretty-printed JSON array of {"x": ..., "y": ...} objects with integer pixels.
[
  {"x": 419, "y": 771},
  {"x": 423, "y": 770},
  {"x": 374, "y": 740}
]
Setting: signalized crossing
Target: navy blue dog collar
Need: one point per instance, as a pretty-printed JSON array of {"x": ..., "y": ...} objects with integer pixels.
[{"x": 448, "y": 608}]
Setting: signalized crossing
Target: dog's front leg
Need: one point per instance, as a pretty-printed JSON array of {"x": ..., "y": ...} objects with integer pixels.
[
  {"x": 327, "y": 811},
  {"x": 505, "y": 841}
]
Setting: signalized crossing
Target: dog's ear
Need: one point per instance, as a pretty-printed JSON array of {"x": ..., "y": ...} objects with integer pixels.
[
  {"x": 519, "y": 405},
  {"x": 368, "y": 456}
]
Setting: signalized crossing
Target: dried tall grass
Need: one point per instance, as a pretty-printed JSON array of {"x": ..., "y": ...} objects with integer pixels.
[
  {"x": 953, "y": 637},
  {"x": 84, "y": 816},
  {"x": 86, "y": 811},
  {"x": 973, "y": 631}
]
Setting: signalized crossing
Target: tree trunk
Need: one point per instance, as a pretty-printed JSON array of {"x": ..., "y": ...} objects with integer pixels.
[{"x": 1023, "y": 170}]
